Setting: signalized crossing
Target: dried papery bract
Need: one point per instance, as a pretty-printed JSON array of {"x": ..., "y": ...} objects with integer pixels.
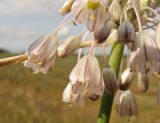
[
  {"x": 126, "y": 105},
  {"x": 71, "y": 98},
  {"x": 110, "y": 81},
  {"x": 69, "y": 46},
  {"x": 42, "y": 53},
  {"x": 126, "y": 32},
  {"x": 126, "y": 79},
  {"x": 66, "y": 8},
  {"x": 102, "y": 33},
  {"x": 84, "y": 72},
  {"x": 143, "y": 83},
  {"x": 116, "y": 11}
]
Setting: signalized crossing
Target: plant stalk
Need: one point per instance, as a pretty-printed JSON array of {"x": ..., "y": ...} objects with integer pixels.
[{"x": 107, "y": 100}]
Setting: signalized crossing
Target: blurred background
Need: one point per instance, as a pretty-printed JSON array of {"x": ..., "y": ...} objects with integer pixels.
[{"x": 36, "y": 98}]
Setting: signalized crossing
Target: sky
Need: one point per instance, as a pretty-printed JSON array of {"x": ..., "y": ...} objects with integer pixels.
[{"x": 24, "y": 21}]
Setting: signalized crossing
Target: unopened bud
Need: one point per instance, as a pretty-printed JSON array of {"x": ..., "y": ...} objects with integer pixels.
[
  {"x": 102, "y": 33},
  {"x": 143, "y": 83},
  {"x": 110, "y": 81},
  {"x": 126, "y": 104},
  {"x": 69, "y": 46},
  {"x": 66, "y": 8},
  {"x": 126, "y": 32},
  {"x": 126, "y": 79}
]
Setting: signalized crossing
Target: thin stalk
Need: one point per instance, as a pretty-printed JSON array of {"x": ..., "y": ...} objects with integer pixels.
[{"x": 107, "y": 100}]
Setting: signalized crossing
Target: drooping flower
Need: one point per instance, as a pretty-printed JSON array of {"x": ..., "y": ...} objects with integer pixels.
[
  {"x": 71, "y": 98},
  {"x": 110, "y": 80},
  {"x": 142, "y": 59},
  {"x": 143, "y": 83},
  {"x": 42, "y": 53},
  {"x": 91, "y": 13},
  {"x": 126, "y": 79},
  {"x": 86, "y": 77},
  {"x": 126, "y": 32},
  {"x": 126, "y": 104}
]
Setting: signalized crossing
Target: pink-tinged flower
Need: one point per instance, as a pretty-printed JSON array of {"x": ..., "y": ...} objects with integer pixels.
[
  {"x": 91, "y": 13},
  {"x": 126, "y": 104},
  {"x": 86, "y": 77},
  {"x": 142, "y": 59},
  {"x": 71, "y": 98},
  {"x": 143, "y": 83},
  {"x": 42, "y": 53}
]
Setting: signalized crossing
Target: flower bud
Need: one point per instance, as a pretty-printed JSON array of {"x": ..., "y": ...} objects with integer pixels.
[
  {"x": 126, "y": 79},
  {"x": 102, "y": 33},
  {"x": 126, "y": 32},
  {"x": 110, "y": 81},
  {"x": 126, "y": 104},
  {"x": 143, "y": 83},
  {"x": 69, "y": 46},
  {"x": 66, "y": 8}
]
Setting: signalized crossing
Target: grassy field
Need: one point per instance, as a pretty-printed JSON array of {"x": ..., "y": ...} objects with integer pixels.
[{"x": 29, "y": 98}]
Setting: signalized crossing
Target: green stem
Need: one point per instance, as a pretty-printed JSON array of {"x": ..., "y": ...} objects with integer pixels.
[{"x": 107, "y": 100}]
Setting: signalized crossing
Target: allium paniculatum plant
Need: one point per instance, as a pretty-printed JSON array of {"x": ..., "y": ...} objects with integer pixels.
[{"x": 107, "y": 22}]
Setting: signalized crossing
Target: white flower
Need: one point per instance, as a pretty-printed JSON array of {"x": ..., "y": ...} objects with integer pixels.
[
  {"x": 91, "y": 13},
  {"x": 71, "y": 98},
  {"x": 126, "y": 105},
  {"x": 42, "y": 53},
  {"x": 86, "y": 76}
]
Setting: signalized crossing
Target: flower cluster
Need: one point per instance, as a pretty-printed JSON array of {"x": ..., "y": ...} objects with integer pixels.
[{"x": 105, "y": 20}]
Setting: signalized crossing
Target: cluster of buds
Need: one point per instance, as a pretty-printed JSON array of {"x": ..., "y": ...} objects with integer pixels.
[{"x": 108, "y": 21}]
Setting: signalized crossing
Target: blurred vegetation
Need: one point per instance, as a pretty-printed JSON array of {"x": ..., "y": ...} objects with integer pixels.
[{"x": 36, "y": 98}]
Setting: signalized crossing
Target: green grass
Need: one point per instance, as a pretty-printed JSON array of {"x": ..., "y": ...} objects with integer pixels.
[{"x": 29, "y": 98}]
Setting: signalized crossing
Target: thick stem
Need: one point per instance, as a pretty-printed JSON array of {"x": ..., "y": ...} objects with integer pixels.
[{"x": 107, "y": 100}]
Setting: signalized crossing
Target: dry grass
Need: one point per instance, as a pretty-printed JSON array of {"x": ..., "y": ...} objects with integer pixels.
[{"x": 28, "y": 98}]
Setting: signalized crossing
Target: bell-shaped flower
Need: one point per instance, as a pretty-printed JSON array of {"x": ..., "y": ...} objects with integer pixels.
[
  {"x": 110, "y": 80},
  {"x": 86, "y": 75},
  {"x": 42, "y": 53},
  {"x": 143, "y": 83},
  {"x": 126, "y": 104},
  {"x": 142, "y": 59},
  {"x": 71, "y": 98},
  {"x": 91, "y": 13},
  {"x": 69, "y": 46},
  {"x": 126, "y": 79},
  {"x": 126, "y": 32}
]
